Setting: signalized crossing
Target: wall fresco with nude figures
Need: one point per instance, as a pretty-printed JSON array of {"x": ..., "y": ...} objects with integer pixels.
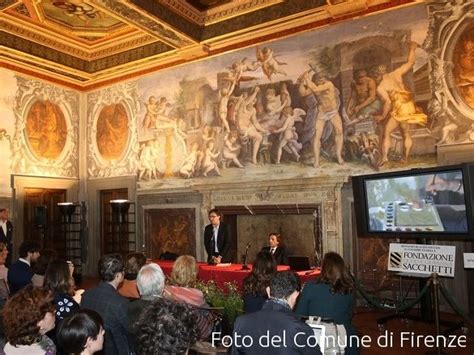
[{"x": 371, "y": 94}]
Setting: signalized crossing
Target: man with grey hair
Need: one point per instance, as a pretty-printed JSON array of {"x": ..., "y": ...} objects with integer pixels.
[{"x": 150, "y": 284}]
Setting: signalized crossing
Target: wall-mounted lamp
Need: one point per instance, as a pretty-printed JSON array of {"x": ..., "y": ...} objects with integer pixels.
[
  {"x": 120, "y": 210},
  {"x": 67, "y": 210}
]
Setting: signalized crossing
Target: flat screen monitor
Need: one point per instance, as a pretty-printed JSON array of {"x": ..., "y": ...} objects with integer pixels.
[{"x": 422, "y": 202}]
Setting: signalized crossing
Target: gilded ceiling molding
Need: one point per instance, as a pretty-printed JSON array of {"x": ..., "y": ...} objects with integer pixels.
[
  {"x": 126, "y": 95},
  {"x": 142, "y": 20},
  {"x": 25, "y": 160},
  {"x": 218, "y": 13},
  {"x": 339, "y": 8},
  {"x": 5, "y": 4}
]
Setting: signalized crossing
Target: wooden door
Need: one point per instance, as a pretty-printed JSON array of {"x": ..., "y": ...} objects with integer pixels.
[
  {"x": 42, "y": 218},
  {"x": 112, "y": 240}
]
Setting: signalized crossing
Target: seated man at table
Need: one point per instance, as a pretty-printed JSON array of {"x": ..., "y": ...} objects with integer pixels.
[
  {"x": 275, "y": 329},
  {"x": 217, "y": 239},
  {"x": 277, "y": 249}
]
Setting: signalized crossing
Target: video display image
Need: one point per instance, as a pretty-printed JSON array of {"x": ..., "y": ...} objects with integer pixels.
[{"x": 417, "y": 203}]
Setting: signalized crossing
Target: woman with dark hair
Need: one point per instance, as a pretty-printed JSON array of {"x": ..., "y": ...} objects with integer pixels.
[
  {"x": 27, "y": 317},
  {"x": 331, "y": 296},
  {"x": 255, "y": 285},
  {"x": 133, "y": 264},
  {"x": 82, "y": 333},
  {"x": 40, "y": 266},
  {"x": 59, "y": 281},
  {"x": 167, "y": 328}
]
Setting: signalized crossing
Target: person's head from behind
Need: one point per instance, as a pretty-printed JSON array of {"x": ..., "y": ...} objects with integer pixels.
[
  {"x": 111, "y": 268},
  {"x": 46, "y": 256},
  {"x": 150, "y": 282},
  {"x": 3, "y": 253},
  {"x": 274, "y": 240},
  {"x": 83, "y": 332},
  {"x": 58, "y": 278},
  {"x": 264, "y": 264},
  {"x": 133, "y": 264},
  {"x": 28, "y": 315},
  {"x": 167, "y": 327},
  {"x": 285, "y": 286},
  {"x": 334, "y": 273},
  {"x": 29, "y": 250},
  {"x": 184, "y": 271}
]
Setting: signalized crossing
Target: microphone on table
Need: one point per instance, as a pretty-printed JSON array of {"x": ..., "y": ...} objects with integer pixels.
[{"x": 244, "y": 264}]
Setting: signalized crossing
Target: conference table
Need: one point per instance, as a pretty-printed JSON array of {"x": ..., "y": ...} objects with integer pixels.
[{"x": 231, "y": 272}]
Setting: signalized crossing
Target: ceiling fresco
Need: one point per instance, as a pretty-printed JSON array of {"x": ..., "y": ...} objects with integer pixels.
[{"x": 87, "y": 44}]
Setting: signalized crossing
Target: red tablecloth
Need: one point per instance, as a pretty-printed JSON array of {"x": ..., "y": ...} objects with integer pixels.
[{"x": 233, "y": 272}]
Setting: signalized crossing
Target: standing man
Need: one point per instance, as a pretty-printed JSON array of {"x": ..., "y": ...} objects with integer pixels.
[
  {"x": 217, "y": 239},
  {"x": 275, "y": 247},
  {"x": 20, "y": 272},
  {"x": 276, "y": 329},
  {"x": 6, "y": 233}
]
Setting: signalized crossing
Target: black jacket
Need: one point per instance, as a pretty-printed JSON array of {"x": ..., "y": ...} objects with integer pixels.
[
  {"x": 7, "y": 240},
  {"x": 223, "y": 241},
  {"x": 280, "y": 255}
]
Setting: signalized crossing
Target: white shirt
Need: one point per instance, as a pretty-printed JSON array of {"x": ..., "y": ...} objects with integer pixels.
[
  {"x": 25, "y": 261},
  {"x": 215, "y": 231},
  {"x": 272, "y": 250}
]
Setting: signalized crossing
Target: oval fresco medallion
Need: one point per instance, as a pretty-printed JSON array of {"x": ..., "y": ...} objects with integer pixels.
[
  {"x": 463, "y": 59},
  {"x": 46, "y": 129},
  {"x": 112, "y": 131}
]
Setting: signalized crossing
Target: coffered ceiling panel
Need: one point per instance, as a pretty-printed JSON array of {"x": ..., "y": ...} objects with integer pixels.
[{"x": 85, "y": 44}]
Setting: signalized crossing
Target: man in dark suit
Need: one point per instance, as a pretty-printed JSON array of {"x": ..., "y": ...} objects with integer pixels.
[
  {"x": 275, "y": 248},
  {"x": 20, "y": 273},
  {"x": 6, "y": 234},
  {"x": 276, "y": 329},
  {"x": 217, "y": 239},
  {"x": 112, "y": 307}
]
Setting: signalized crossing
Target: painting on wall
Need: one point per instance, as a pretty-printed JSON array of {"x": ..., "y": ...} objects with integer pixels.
[
  {"x": 46, "y": 129},
  {"x": 351, "y": 97},
  {"x": 112, "y": 131},
  {"x": 170, "y": 231}
]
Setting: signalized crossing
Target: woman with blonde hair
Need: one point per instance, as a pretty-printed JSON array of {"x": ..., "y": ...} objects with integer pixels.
[{"x": 182, "y": 280}]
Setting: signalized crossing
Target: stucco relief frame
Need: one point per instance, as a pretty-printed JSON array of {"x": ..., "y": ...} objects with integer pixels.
[
  {"x": 24, "y": 160},
  {"x": 448, "y": 20},
  {"x": 126, "y": 95}
]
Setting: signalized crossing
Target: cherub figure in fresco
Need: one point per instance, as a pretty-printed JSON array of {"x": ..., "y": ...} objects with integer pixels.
[
  {"x": 149, "y": 154},
  {"x": 209, "y": 163},
  {"x": 247, "y": 123},
  {"x": 328, "y": 110},
  {"x": 208, "y": 134},
  {"x": 188, "y": 168},
  {"x": 232, "y": 148},
  {"x": 399, "y": 110},
  {"x": 149, "y": 121},
  {"x": 224, "y": 95},
  {"x": 270, "y": 65},
  {"x": 288, "y": 136},
  {"x": 274, "y": 105},
  {"x": 239, "y": 68},
  {"x": 181, "y": 128}
]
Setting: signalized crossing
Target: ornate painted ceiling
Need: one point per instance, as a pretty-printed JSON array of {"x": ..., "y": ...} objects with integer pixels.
[{"x": 86, "y": 44}]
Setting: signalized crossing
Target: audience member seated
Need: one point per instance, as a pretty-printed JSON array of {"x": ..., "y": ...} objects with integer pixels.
[
  {"x": 20, "y": 273},
  {"x": 59, "y": 281},
  {"x": 105, "y": 300},
  {"x": 275, "y": 318},
  {"x": 167, "y": 328},
  {"x": 82, "y": 333},
  {"x": 150, "y": 283},
  {"x": 255, "y": 285},
  {"x": 4, "y": 291},
  {"x": 133, "y": 264},
  {"x": 27, "y": 317},
  {"x": 330, "y": 296},
  {"x": 277, "y": 249},
  {"x": 182, "y": 279},
  {"x": 40, "y": 266}
]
